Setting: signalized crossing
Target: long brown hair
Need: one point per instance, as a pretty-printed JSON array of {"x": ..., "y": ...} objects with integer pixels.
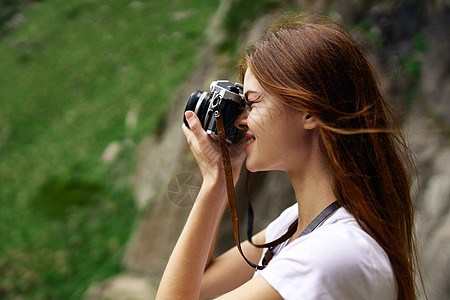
[{"x": 314, "y": 65}]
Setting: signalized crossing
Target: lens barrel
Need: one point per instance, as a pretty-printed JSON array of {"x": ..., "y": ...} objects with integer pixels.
[{"x": 198, "y": 102}]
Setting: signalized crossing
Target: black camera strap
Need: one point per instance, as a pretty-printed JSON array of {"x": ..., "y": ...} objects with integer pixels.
[{"x": 233, "y": 209}]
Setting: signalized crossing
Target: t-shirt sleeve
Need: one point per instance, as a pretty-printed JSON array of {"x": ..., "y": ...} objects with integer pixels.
[{"x": 329, "y": 265}]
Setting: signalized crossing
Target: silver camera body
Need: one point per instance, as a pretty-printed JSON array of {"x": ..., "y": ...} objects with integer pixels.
[{"x": 231, "y": 100}]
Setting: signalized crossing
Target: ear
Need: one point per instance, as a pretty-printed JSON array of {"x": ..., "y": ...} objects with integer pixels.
[{"x": 309, "y": 121}]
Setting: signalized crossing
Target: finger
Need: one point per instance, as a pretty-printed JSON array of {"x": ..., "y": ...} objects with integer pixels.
[
  {"x": 194, "y": 123},
  {"x": 186, "y": 131}
]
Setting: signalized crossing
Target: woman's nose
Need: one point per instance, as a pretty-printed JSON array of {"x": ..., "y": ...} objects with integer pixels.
[{"x": 241, "y": 120}]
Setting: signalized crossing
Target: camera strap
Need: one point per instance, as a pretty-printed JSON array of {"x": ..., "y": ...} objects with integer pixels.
[
  {"x": 233, "y": 209},
  {"x": 230, "y": 185}
]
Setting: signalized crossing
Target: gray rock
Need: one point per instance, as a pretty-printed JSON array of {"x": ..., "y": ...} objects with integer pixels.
[{"x": 122, "y": 287}]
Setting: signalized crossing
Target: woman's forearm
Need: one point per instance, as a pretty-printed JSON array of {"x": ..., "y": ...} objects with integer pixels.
[
  {"x": 183, "y": 274},
  {"x": 214, "y": 240}
]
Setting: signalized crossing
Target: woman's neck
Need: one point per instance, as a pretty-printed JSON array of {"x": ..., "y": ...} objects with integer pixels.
[{"x": 313, "y": 191}]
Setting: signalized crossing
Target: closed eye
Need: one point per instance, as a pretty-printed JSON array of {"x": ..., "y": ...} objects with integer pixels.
[{"x": 249, "y": 103}]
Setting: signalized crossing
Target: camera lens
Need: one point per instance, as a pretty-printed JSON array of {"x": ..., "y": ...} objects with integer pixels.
[{"x": 198, "y": 103}]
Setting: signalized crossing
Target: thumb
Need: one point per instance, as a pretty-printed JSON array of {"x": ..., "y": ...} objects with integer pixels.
[{"x": 194, "y": 122}]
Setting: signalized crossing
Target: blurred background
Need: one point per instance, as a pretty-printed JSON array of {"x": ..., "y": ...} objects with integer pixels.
[{"x": 96, "y": 179}]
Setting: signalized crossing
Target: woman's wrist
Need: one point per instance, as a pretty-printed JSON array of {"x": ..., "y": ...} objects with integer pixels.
[
  {"x": 216, "y": 183},
  {"x": 219, "y": 180}
]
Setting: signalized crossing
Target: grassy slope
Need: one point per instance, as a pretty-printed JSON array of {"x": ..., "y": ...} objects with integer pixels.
[{"x": 70, "y": 73}]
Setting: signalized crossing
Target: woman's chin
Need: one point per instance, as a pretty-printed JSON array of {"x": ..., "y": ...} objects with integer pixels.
[
  {"x": 253, "y": 166},
  {"x": 259, "y": 166},
  {"x": 250, "y": 166}
]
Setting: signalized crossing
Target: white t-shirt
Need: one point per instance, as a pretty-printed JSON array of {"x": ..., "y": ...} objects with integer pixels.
[{"x": 338, "y": 260}]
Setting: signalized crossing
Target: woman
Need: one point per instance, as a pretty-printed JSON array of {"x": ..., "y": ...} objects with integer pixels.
[{"x": 314, "y": 111}]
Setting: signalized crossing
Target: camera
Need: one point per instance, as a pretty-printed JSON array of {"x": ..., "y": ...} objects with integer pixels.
[{"x": 232, "y": 104}]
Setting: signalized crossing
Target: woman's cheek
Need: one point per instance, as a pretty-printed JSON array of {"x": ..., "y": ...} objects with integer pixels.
[{"x": 254, "y": 120}]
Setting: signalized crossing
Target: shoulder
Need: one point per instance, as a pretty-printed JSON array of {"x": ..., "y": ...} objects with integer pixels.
[
  {"x": 281, "y": 224},
  {"x": 341, "y": 241},
  {"x": 336, "y": 261}
]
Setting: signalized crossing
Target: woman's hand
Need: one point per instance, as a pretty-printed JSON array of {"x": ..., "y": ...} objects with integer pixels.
[{"x": 206, "y": 151}]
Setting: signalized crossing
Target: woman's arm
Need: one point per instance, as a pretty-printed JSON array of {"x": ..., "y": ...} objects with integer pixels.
[
  {"x": 193, "y": 251},
  {"x": 213, "y": 244},
  {"x": 229, "y": 270},
  {"x": 183, "y": 274}
]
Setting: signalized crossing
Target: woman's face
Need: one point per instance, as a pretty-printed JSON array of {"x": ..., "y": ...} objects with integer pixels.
[{"x": 276, "y": 135}]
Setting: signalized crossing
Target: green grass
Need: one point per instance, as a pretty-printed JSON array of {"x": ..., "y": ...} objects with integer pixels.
[{"x": 70, "y": 74}]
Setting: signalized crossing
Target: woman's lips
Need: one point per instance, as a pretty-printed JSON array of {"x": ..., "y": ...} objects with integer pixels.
[{"x": 250, "y": 138}]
